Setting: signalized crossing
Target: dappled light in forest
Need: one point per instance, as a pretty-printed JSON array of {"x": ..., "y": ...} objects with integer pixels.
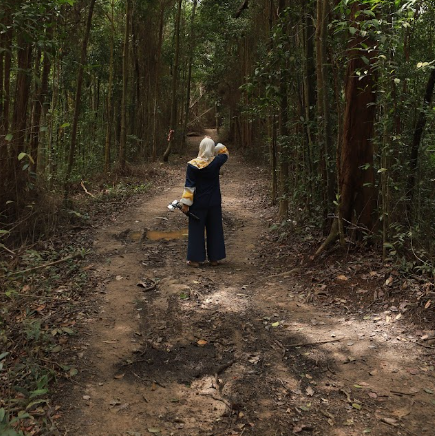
[{"x": 311, "y": 310}]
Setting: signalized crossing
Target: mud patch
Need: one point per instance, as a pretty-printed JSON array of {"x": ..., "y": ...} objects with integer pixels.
[{"x": 181, "y": 364}]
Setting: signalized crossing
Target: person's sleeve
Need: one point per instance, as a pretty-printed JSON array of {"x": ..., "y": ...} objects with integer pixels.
[
  {"x": 221, "y": 149},
  {"x": 189, "y": 186},
  {"x": 221, "y": 153}
]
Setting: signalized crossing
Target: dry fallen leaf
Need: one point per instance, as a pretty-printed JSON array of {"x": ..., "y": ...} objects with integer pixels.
[
  {"x": 342, "y": 277},
  {"x": 389, "y": 281},
  {"x": 390, "y": 421},
  {"x": 202, "y": 342},
  {"x": 309, "y": 391}
]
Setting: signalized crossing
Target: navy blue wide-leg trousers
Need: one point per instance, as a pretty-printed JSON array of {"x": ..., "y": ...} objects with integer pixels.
[{"x": 210, "y": 220}]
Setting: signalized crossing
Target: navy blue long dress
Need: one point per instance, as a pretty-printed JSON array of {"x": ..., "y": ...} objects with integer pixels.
[{"x": 202, "y": 186}]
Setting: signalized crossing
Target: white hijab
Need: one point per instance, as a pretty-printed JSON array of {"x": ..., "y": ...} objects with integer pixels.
[{"x": 206, "y": 150}]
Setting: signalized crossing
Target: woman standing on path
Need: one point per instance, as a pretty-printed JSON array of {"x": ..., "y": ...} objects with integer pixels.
[{"x": 202, "y": 196}]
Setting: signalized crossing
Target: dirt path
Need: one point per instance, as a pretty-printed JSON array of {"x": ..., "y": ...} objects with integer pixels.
[{"x": 240, "y": 349}]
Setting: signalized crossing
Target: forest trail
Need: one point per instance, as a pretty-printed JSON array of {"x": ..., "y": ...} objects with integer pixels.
[{"x": 239, "y": 349}]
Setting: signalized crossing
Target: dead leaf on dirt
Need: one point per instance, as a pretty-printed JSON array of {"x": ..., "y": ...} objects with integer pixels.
[
  {"x": 118, "y": 278},
  {"x": 309, "y": 391},
  {"x": 299, "y": 428},
  {"x": 119, "y": 376},
  {"x": 342, "y": 277},
  {"x": 115, "y": 402},
  {"x": 401, "y": 413},
  {"x": 390, "y": 421},
  {"x": 86, "y": 397},
  {"x": 154, "y": 430},
  {"x": 389, "y": 281},
  {"x": 427, "y": 305},
  {"x": 73, "y": 372},
  {"x": 373, "y": 395}
]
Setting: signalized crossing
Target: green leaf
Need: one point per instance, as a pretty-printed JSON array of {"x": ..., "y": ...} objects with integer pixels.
[
  {"x": 275, "y": 324},
  {"x": 382, "y": 170},
  {"x": 356, "y": 406},
  {"x": 2, "y": 356},
  {"x": 22, "y": 155},
  {"x": 2, "y": 414},
  {"x": 9, "y": 137},
  {"x": 34, "y": 403},
  {"x": 65, "y": 125},
  {"x": 37, "y": 393},
  {"x": 68, "y": 330},
  {"x": 352, "y": 30}
]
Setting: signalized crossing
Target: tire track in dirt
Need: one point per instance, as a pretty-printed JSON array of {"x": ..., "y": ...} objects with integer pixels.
[{"x": 212, "y": 351}]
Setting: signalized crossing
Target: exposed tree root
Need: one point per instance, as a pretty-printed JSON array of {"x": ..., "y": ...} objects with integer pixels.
[{"x": 333, "y": 235}]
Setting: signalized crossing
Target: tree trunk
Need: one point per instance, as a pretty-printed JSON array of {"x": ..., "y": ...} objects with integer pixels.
[
  {"x": 356, "y": 172},
  {"x": 156, "y": 82},
  {"x": 189, "y": 71},
  {"x": 323, "y": 118},
  {"x": 108, "y": 141},
  {"x": 123, "y": 134},
  {"x": 356, "y": 180},
  {"x": 78, "y": 98},
  {"x": 283, "y": 132},
  {"x": 40, "y": 101},
  {"x": 173, "y": 121},
  {"x": 416, "y": 140},
  {"x": 309, "y": 89},
  {"x": 22, "y": 94},
  {"x": 6, "y": 63}
]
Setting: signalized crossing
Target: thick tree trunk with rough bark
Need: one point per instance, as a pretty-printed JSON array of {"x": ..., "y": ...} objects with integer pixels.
[
  {"x": 357, "y": 193},
  {"x": 356, "y": 176}
]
